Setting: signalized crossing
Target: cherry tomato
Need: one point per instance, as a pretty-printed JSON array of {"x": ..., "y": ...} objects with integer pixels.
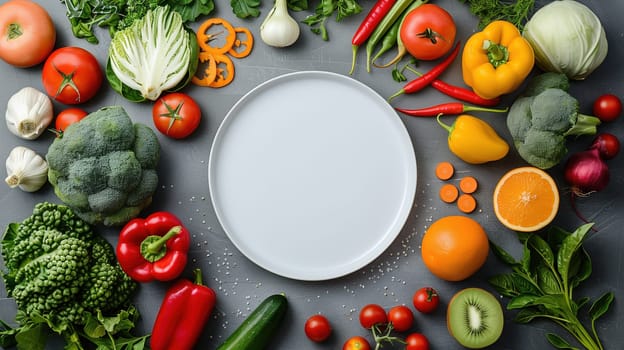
[
  {"x": 416, "y": 341},
  {"x": 426, "y": 300},
  {"x": 428, "y": 32},
  {"x": 176, "y": 115},
  {"x": 71, "y": 75},
  {"x": 607, "y": 144},
  {"x": 67, "y": 117},
  {"x": 356, "y": 343},
  {"x": 27, "y": 33},
  {"x": 373, "y": 314},
  {"x": 607, "y": 107},
  {"x": 317, "y": 328},
  {"x": 401, "y": 317}
]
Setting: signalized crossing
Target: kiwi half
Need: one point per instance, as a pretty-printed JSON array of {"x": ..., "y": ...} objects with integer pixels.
[{"x": 475, "y": 318}]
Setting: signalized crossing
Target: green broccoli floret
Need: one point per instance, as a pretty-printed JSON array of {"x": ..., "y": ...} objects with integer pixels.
[
  {"x": 104, "y": 167},
  {"x": 60, "y": 272},
  {"x": 543, "y": 117}
]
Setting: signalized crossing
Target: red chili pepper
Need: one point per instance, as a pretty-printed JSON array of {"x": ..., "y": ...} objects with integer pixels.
[
  {"x": 368, "y": 25},
  {"x": 466, "y": 95},
  {"x": 447, "y": 108},
  {"x": 154, "y": 248},
  {"x": 183, "y": 314},
  {"x": 426, "y": 79}
]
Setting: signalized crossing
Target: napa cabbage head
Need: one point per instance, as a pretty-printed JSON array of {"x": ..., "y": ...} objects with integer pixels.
[
  {"x": 567, "y": 37},
  {"x": 157, "y": 53}
]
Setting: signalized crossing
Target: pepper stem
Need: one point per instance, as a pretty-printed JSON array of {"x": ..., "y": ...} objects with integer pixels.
[
  {"x": 154, "y": 247},
  {"x": 497, "y": 54},
  {"x": 446, "y": 127},
  {"x": 198, "y": 277}
]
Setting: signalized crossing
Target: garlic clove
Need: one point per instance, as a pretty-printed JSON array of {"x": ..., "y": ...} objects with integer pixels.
[
  {"x": 29, "y": 112},
  {"x": 26, "y": 169}
]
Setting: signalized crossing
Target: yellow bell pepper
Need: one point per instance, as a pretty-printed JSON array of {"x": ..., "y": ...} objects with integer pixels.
[
  {"x": 496, "y": 60},
  {"x": 474, "y": 141}
]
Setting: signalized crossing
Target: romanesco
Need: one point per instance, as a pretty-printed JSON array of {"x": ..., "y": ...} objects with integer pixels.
[{"x": 61, "y": 273}]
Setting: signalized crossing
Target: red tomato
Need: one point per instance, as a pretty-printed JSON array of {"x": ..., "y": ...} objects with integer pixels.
[
  {"x": 176, "y": 115},
  {"x": 71, "y": 75},
  {"x": 401, "y": 317},
  {"x": 317, "y": 328},
  {"x": 426, "y": 300},
  {"x": 27, "y": 33},
  {"x": 67, "y": 117},
  {"x": 416, "y": 341},
  {"x": 373, "y": 314},
  {"x": 356, "y": 343},
  {"x": 428, "y": 32},
  {"x": 607, "y": 107}
]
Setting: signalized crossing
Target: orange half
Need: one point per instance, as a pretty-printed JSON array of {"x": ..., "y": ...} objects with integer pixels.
[{"x": 526, "y": 199}]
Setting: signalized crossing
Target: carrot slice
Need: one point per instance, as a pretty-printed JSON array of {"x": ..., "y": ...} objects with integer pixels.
[
  {"x": 444, "y": 170},
  {"x": 468, "y": 184},
  {"x": 448, "y": 193},
  {"x": 466, "y": 203}
]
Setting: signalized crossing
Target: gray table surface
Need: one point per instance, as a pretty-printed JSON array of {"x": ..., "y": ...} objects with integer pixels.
[{"x": 394, "y": 276}]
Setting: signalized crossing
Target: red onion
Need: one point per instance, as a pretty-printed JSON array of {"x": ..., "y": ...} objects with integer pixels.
[
  {"x": 586, "y": 172},
  {"x": 607, "y": 144}
]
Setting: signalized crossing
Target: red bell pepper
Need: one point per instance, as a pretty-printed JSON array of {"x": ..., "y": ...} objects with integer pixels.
[
  {"x": 182, "y": 315},
  {"x": 154, "y": 248}
]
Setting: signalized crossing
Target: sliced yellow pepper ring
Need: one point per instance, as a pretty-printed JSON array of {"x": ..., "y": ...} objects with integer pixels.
[
  {"x": 216, "y": 30},
  {"x": 206, "y": 70},
  {"x": 243, "y": 43},
  {"x": 225, "y": 71}
]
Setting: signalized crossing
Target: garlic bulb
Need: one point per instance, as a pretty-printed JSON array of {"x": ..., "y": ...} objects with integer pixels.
[
  {"x": 29, "y": 112},
  {"x": 26, "y": 169},
  {"x": 279, "y": 29}
]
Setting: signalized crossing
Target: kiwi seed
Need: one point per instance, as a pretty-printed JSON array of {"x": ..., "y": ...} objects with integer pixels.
[{"x": 475, "y": 318}]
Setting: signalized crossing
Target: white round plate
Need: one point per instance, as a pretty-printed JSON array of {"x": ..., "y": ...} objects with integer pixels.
[{"x": 312, "y": 175}]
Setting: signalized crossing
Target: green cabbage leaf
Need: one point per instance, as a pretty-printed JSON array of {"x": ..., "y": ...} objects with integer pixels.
[{"x": 157, "y": 53}]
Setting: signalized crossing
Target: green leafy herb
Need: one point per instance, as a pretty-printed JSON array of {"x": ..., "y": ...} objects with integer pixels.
[
  {"x": 251, "y": 8},
  {"x": 326, "y": 9},
  {"x": 516, "y": 12},
  {"x": 541, "y": 284},
  {"x": 245, "y": 8},
  {"x": 115, "y": 15}
]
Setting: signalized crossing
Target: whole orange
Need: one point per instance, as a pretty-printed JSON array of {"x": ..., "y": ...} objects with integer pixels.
[{"x": 454, "y": 247}]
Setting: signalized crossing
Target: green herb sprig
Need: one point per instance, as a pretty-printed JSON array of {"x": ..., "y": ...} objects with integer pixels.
[
  {"x": 516, "y": 12},
  {"x": 542, "y": 282}
]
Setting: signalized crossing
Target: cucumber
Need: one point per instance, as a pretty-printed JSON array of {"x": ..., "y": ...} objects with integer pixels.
[{"x": 258, "y": 328}]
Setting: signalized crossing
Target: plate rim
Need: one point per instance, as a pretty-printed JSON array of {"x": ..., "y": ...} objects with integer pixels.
[{"x": 401, "y": 217}]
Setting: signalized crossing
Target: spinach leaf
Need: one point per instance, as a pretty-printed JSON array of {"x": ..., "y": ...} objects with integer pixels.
[
  {"x": 245, "y": 8},
  {"x": 542, "y": 283}
]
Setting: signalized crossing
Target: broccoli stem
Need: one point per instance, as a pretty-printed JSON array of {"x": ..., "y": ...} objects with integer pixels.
[{"x": 585, "y": 125}]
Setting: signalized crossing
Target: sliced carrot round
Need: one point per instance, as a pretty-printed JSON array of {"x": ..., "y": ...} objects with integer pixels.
[
  {"x": 243, "y": 44},
  {"x": 448, "y": 193},
  {"x": 218, "y": 30},
  {"x": 466, "y": 203},
  {"x": 444, "y": 170},
  {"x": 468, "y": 184}
]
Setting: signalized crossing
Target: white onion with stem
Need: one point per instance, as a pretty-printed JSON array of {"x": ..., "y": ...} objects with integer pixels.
[{"x": 279, "y": 29}]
